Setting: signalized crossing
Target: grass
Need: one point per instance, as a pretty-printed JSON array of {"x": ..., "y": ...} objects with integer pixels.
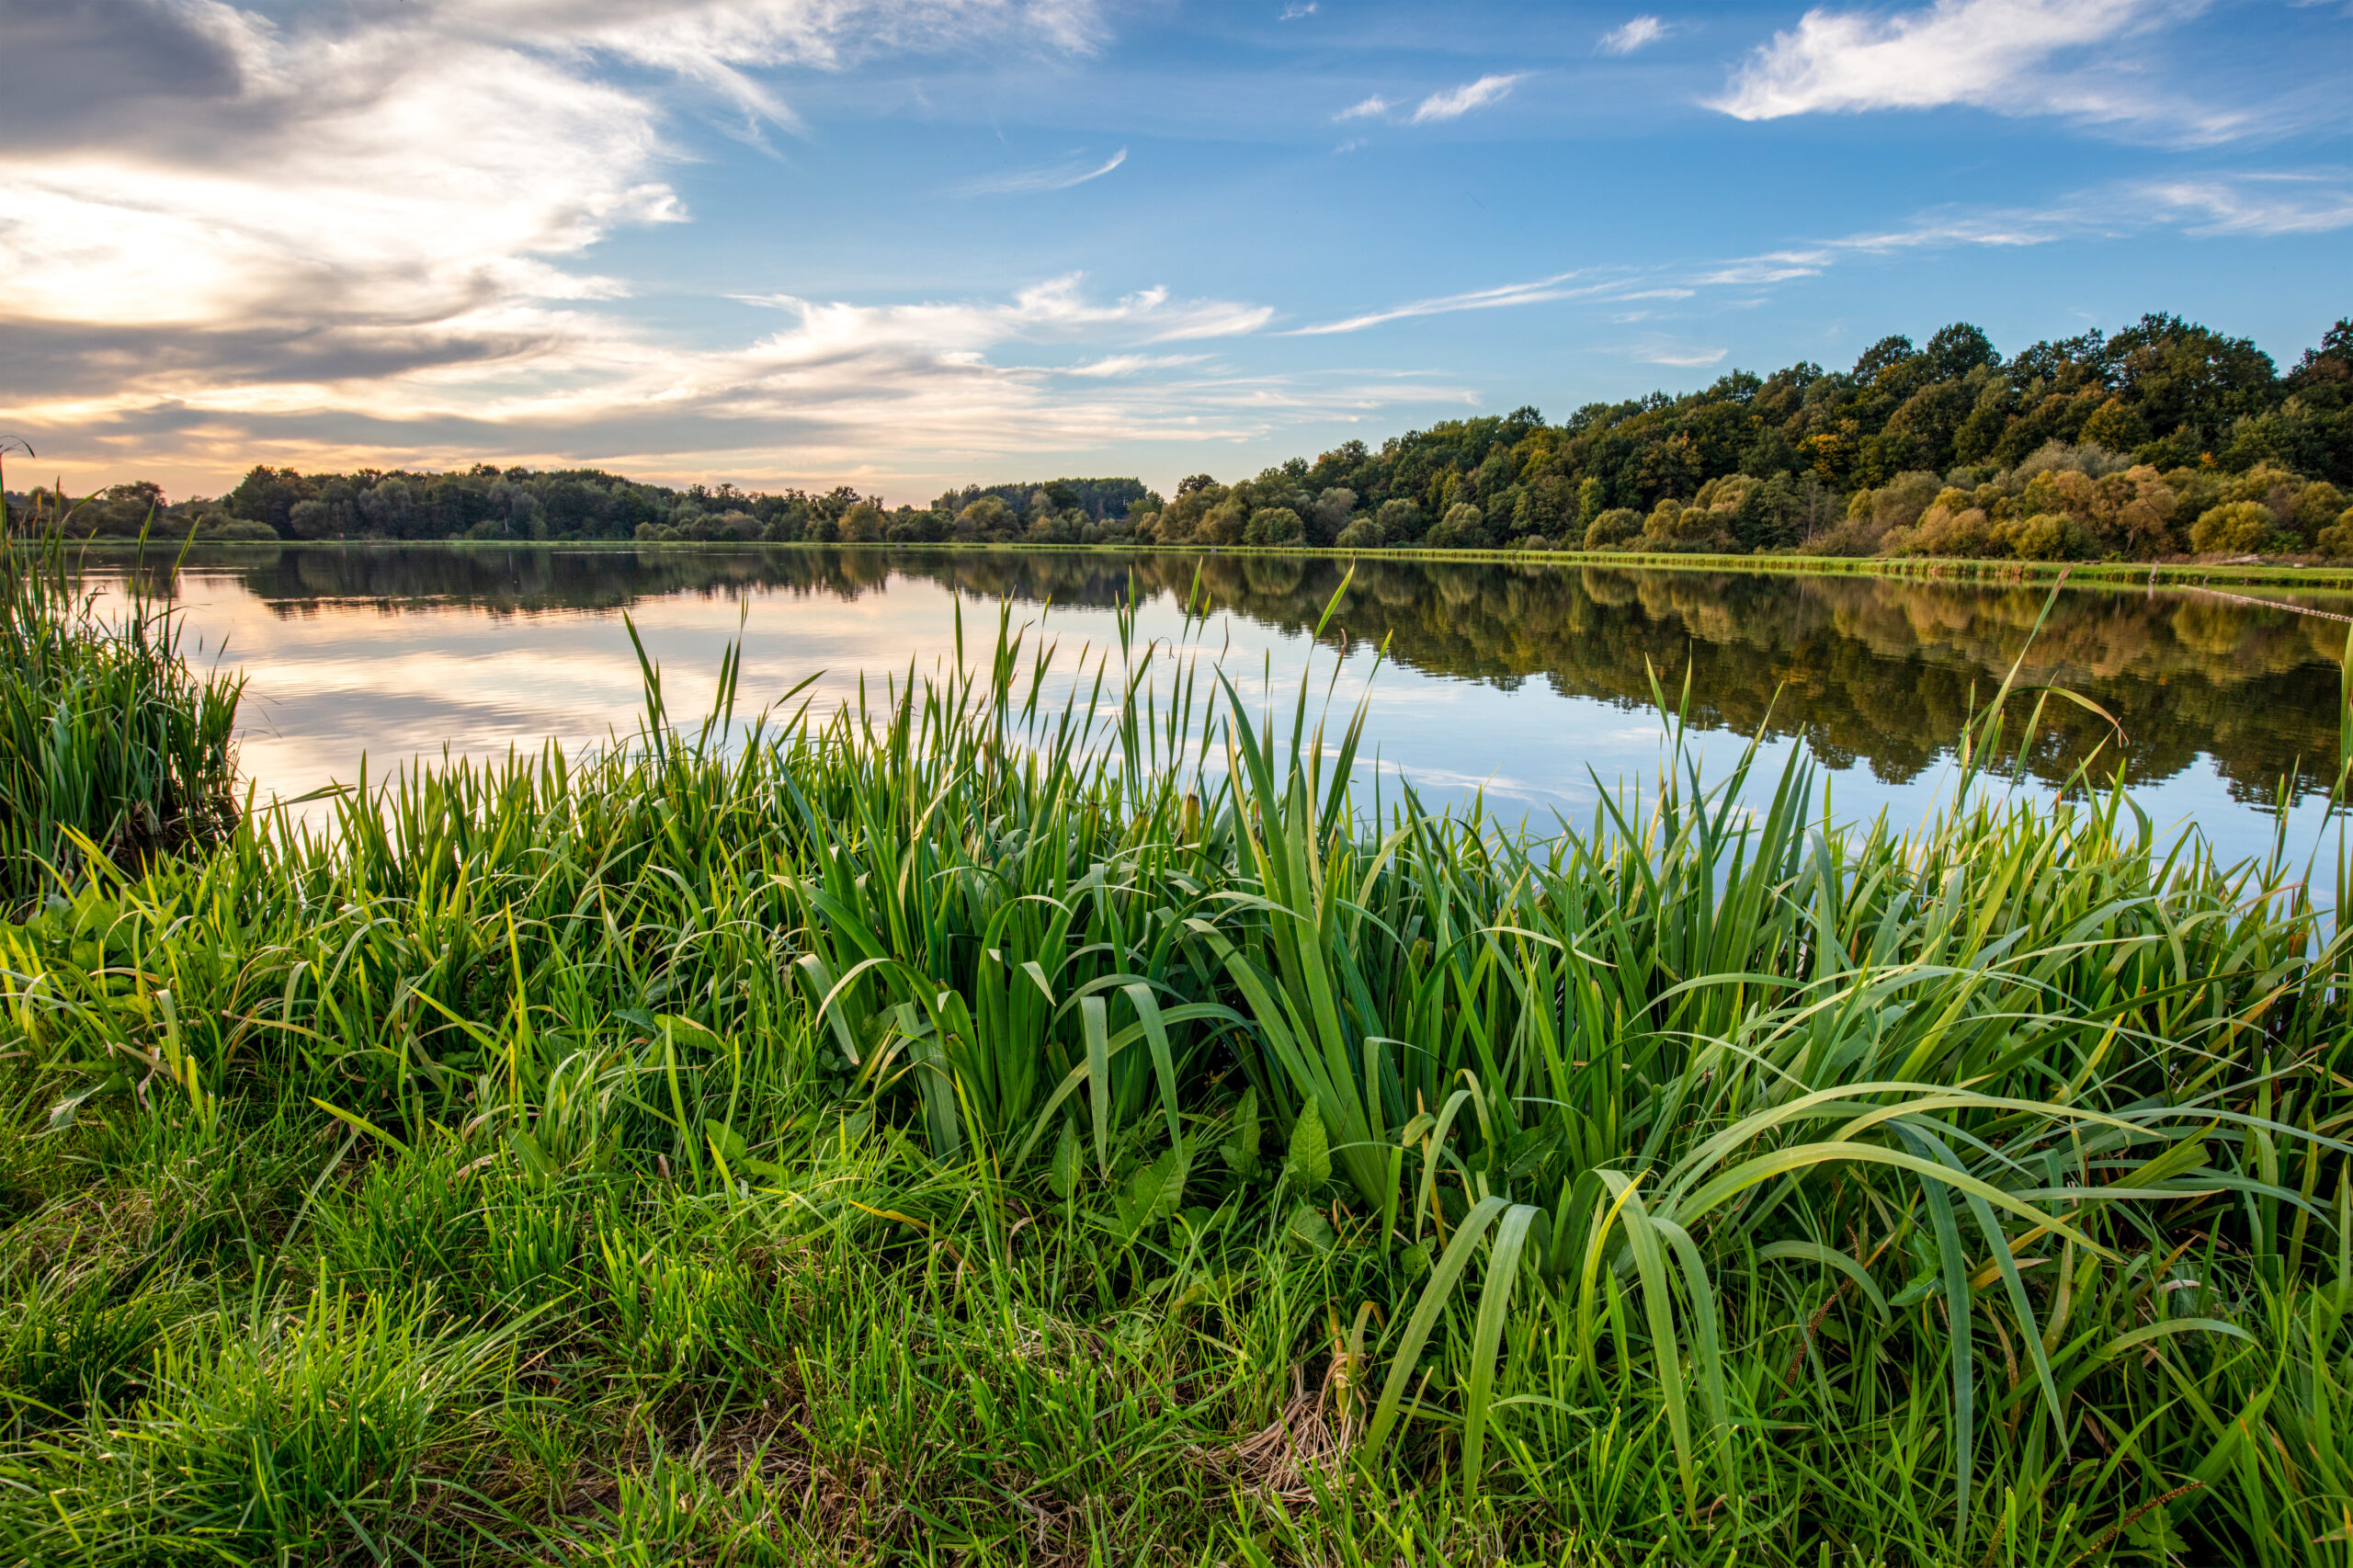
[
  {"x": 109, "y": 745},
  {"x": 979, "y": 1127}
]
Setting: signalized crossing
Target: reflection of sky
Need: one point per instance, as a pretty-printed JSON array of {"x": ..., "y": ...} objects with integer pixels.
[{"x": 339, "y": 682}]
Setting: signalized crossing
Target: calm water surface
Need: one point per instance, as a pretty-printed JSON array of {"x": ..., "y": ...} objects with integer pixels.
[{"x": 1525, "y": 682}]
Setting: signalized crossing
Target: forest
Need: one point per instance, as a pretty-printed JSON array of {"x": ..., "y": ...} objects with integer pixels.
[{"x": 2164, "y": 439}]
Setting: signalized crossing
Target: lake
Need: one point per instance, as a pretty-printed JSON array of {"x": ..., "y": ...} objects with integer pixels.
[{"x": 1525, "y": 682}]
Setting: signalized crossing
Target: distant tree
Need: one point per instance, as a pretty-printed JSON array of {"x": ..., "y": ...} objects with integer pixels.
[
  {"x": 1330, "y": 514},
  {"x": 1274, "y": 525},
  {"x": 1464, "y": 526},
  {"x": 1959, "y": 349},
  {"x": 1400, "y": 520},
  {"x": 1887, "y": 353}
]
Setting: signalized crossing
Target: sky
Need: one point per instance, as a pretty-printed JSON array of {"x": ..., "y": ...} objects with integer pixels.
[{"x": 906, "y": 244}]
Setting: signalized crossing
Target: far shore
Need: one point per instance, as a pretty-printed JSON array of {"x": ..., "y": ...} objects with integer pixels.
[{"x": 2179, "y": 573}]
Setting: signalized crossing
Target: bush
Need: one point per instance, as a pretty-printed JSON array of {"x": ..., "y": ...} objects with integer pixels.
[
  {"x": 1362, "y": 533},
  {"x": 1274, "y": 525},
  {"x": 237, "y": 529},
  {"x": 1401, "y": 521},
  {"x": 1613, "y": 528},
  {"x": 2235, "y": 528},
  {"x": 1464, "y": 526},
  {"x": 2336, "y": 540},
  {"x": 2046, "y": 536}
]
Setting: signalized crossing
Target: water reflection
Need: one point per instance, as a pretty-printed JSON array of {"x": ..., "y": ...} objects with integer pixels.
[
  {"x": 403, "y": 648},
  {"x": 1866, "y": 670}
]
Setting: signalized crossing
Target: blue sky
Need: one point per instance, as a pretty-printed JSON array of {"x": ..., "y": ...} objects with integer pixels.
[{"x": 910, "y": 244}]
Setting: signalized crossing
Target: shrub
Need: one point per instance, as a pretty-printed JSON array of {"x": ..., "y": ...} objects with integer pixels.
[
  {"x": 1613, "y": 528},
  {"x": 1401, "y": 521},
  {"x": 1464, "y": 526},
  {"x": 2046, "y": 536},
  {"x": 2235, "y": 528},
  {"x": 238, "y": 529},
  {"x": 1274, "y": 525},
  {"x": 2336, "y": 540},
  {"x": 1362, "y": 533}
]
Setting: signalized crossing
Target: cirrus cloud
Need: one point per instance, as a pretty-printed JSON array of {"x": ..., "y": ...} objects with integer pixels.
[
  {"x": 1632, "y": 36},
  {"x": 1456, "y": 102}
]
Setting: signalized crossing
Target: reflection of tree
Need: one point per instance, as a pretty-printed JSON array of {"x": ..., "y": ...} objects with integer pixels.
[{"x": 1863, "y": 668}]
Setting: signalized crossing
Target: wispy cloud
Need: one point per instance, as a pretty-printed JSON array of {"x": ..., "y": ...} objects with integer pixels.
[
  {"x": 1558, "y": 286},
  {"x": 1456, "y": 102},
  {"x": 1293, "y": 12},
  {"x": 2072, "y": 57},
  {"x": 2284, "y": 202},
  {"x": 1368, "y": 109},
  {"x": 2304, "y": 203},
  {"x": 1632, "y": 35},
  {"x": 1130, "y": 365},
  {"x": 1054, "y": 177},
  {"x": 1682, "y": 355},
  {"x": 357, "y": 234}
]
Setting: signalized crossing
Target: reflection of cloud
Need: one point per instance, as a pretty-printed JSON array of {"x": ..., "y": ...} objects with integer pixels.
[
  {"x": 1632, "y": 36},
  {"x": 1058, "y": 177},
  {"x": 1456, "y": 102}
]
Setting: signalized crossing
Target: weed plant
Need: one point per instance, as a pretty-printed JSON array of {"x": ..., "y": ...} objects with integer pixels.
[{"x": 984, "y": 1125}]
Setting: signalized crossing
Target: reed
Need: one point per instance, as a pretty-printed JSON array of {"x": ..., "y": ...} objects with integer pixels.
[
  {"x": 1044, "y": 1110},
  {"x": 110, "y": 745}
]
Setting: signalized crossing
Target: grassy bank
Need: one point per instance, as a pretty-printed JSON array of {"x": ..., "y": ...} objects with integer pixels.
[
  {"x": 2326, "y": 575},
  {"x": 974, "y": 1127}
]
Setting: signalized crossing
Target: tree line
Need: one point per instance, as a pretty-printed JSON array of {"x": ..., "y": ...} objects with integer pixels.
[{"x": 2164, "y": 439}]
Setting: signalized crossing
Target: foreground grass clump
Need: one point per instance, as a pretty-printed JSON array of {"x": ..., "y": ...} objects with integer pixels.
[
  {"x": 109, "y": 742},
  {"x": 979, "y": 1128}
]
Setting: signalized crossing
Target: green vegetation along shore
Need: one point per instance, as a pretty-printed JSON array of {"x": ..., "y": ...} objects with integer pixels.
[
  {"x": 990, "y": 1125},
  {"x": 2165, "y": 439}
]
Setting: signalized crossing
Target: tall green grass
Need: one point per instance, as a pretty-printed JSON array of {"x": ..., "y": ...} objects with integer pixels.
[
  {"x": 1043, "y": 1111},
  {"x": 109, "y": 743}
]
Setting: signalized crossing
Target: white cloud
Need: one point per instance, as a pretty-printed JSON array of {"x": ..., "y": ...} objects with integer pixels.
[
  {"x": 1531, "y": 293},
  {"x": 1456, "y": 102},
  {"x": 1683, "y": 357},
  {"x": 1054, "y": 311},
  {"x": 1294, "y": 12},
  {"x": 2060, "y": 57},
  {"x": 1632, "y": 36},
  {"x": 1131, "y": 364},
  {"x": 1375, "y": 105},
  {"x": 357, "y": 237},
  {"x": 2258, "y": 203},
  {"x": 2305, "y": 203},
  {"x": 1059, "y": 177}
]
